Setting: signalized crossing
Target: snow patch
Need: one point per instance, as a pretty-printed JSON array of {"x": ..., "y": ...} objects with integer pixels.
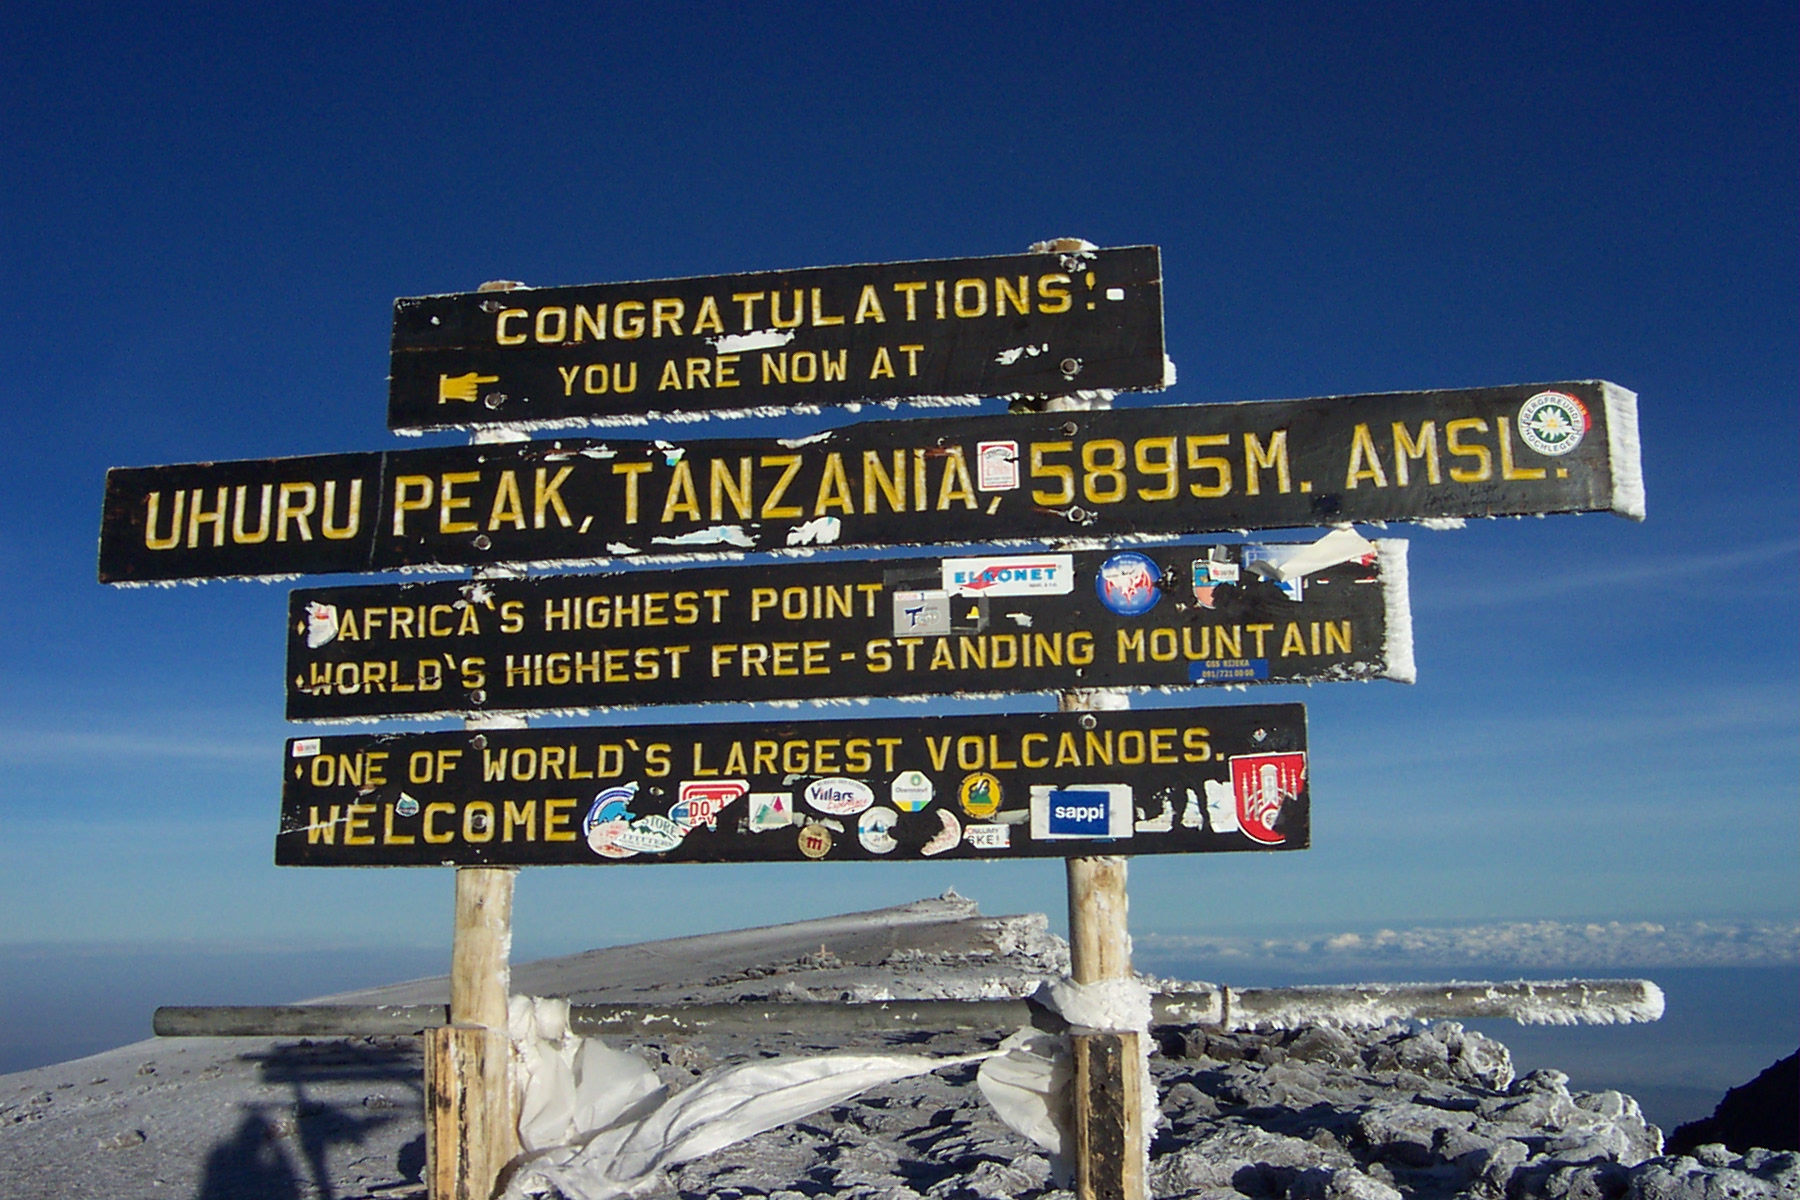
[
  {"x": 1106, "y": 1006},
  {"x": 813, "y": 440},
  {"x": 729, "y": 535},
  {"x": 756, "y": 339},
  {"x": 1082, "y": 401},
  {"x": 1397, "y": 648},
  {"x": 820, "y": 531},
  {"x": 1623, "y": 449}
]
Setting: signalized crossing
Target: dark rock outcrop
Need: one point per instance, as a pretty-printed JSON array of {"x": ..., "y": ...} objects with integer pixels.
[{"x": 1763, "y": 1113}]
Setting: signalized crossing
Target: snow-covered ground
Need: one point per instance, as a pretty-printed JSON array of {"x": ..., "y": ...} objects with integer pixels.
[{"x": 1313, "y": 1112}]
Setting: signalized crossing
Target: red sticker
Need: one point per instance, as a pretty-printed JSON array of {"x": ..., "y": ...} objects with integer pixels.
[{"x": 1264, "y": 784}]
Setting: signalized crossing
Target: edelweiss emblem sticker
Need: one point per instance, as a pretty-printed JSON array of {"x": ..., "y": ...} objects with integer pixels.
[{"x": 1553, "y": 423}]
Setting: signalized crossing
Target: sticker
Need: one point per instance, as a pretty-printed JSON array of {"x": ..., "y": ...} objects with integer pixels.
[
  {"x": 607, "y": 820},
  {"x": 1270, "y": 558},
  {"x": 839, "y": 797},
  {"x": 1228, "y": 670},
  {"x": 1286, "y": 564},
  {"x": 651, "y": 835},
  {"x": 988, "y": 837},
  {"x": 306, "y": 747},
  {"x": 945, "y": 838},
  {"x": 873, "y": 830},
  {"x": 406, "y": 806},
  {"x": 997, "y": 466},
  {"x": 701, "y": 800},
  {"x": 1127, "y": 584},
  {"x": 1089, "y": 810},
  {"x": 1209, "y": 573},
  {"x": 1162, "y": 822},
  {"x": 1013, "y": 575},
  {"x": 771, "y": 810},
  {"x": 321, "y": 624},
  {"x": 1221, "y": 807},
  {"x": 917, "y": 613},
  {"x": 1553, "y": 423},
  {"x": 1261, "y": 786},
  {"x": 979, "y": 795},
  {"x": 968, "y": 614},
  {"x": 911, "y": 791},
  {"x": 815, "y": 841},
  {"x": 1190, "y": 815}
]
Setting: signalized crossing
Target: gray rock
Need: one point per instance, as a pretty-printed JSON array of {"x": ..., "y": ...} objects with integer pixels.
[
  {"x": 1430, "y": 1113},
  {"x": 1342, "y": 1183}
]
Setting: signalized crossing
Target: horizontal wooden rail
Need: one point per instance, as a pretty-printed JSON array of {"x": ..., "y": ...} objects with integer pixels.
[
  {"x": 1561, "y": 1002},
  {"x": 373, "y": 1020}
]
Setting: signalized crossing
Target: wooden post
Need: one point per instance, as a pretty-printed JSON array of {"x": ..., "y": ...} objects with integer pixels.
[
  {"x": 472, "y": 1128},
  {"x": 471, "y": 1121},
  {"x": 468, "y": 1137},
  {"x": 1111, "y": 1144},
  {"x": 1108, "y": 1110},
  {"x": 1112, "y": 1147}
]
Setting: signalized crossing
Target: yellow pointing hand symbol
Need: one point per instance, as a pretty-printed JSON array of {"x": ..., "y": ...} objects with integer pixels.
[{"x": 462, "y": 387}]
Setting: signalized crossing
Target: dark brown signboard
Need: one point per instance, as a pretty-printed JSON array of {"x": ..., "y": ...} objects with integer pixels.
[
  {"x": 1152, "y": 781},
  {"x": 1041, "y": 324},
  {"x": 1166, "y": 470},
  {"x": 1328, "y": 609}
]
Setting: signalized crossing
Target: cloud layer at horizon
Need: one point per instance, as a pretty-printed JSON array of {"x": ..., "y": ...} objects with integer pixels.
[{"x": 1529, "y": 944}]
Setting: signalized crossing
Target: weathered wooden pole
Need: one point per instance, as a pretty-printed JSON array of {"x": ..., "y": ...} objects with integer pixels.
[
  {"x": 471, "y": 1125},
  {"x": 1111, "y": 1143},
  {"x": 1111, "y": 1150}
]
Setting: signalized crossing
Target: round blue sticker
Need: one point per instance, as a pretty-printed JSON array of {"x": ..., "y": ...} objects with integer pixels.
[{"x": 1128, "y": 584}]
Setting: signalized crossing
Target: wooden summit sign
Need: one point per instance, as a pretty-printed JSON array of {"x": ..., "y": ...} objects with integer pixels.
[
  {"x": 1330, "y": 609},
  {"x": 1042, "y": 324},
  {"x": 1030, "y": 785},
  {"x": 1569, "y": 447}
]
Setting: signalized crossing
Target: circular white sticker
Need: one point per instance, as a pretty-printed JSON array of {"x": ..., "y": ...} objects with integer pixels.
[
  {"x": 1553, "y": 423},
  {"x": 872, "y": 830}
]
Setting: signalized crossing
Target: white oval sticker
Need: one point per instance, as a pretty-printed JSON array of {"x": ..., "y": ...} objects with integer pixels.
[{"x": 839, "y": 797}]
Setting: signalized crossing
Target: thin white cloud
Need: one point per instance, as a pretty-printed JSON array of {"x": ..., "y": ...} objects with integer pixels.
[
  {"x": 63, "y": 747},
  {"x": 1528, "y": 944}
]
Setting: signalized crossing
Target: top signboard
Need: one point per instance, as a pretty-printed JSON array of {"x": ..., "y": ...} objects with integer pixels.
[
  {"x": 1040, "y": 324},
  {"x": 1148, "y": 472}
]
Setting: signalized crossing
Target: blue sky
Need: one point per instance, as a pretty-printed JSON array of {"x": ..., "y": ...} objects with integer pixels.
[{"x": 207, "y": 210}]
